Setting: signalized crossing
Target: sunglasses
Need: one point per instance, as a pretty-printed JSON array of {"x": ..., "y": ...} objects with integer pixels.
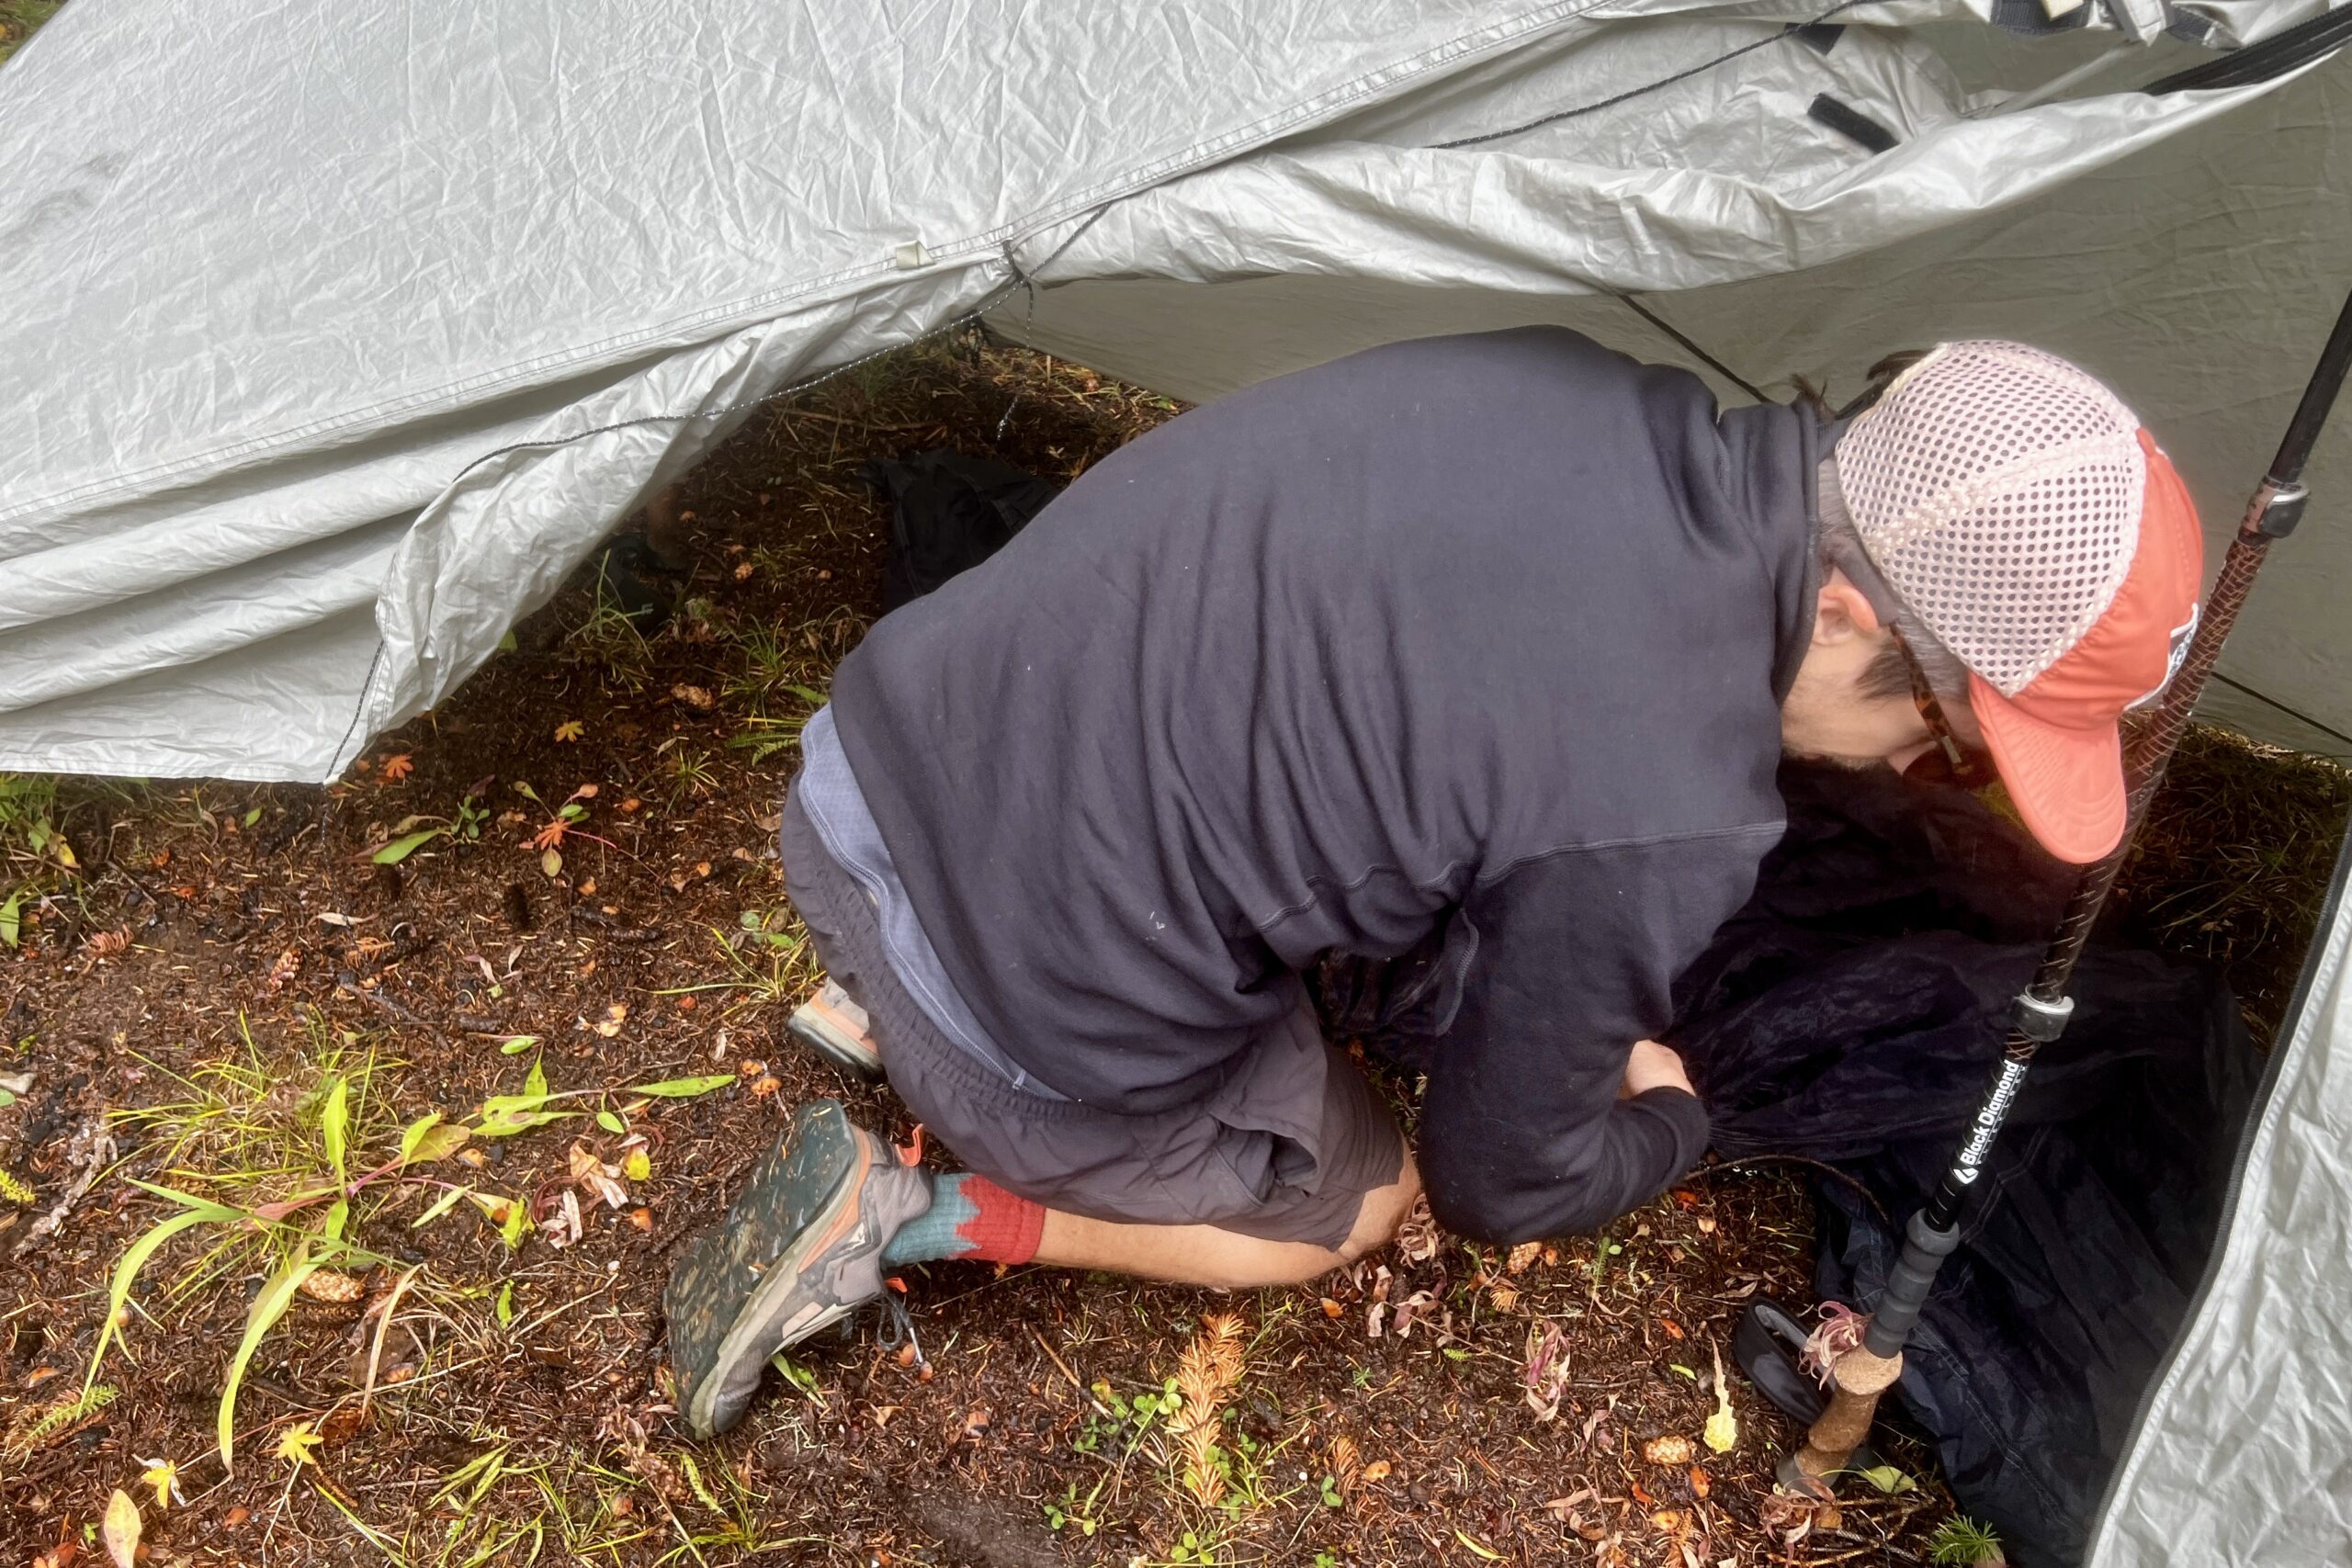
[{"x": 1949, "y": 762}]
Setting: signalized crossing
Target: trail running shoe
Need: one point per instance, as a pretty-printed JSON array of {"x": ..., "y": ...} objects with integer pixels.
[
  {"x": 800, "y": 1250},
  {"x": 837, "y": 1029}
]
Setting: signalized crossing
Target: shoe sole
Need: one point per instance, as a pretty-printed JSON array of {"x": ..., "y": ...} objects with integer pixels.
[
  {"x": 755, "y": 1324},
  {"x": 813, "y": 1026}
]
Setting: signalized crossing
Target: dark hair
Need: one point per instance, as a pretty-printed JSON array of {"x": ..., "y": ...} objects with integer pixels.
[{"x": 1814, "y": 395}]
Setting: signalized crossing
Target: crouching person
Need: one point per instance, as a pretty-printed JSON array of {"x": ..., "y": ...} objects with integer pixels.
[{"x": 1494, "y": 639}]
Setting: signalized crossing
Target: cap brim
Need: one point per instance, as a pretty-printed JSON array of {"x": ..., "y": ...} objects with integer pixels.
[{"x": 2068, "y": 784}]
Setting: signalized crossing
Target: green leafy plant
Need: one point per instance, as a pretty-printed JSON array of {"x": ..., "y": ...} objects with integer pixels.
[
  {"x": 563, "y": 822},
  {"x": 690, "y": 776},
  {"x": 1888, "y": 1480},
  {"x": 739, "y": 1509},
  {"x": 766, "y": 734},
  {"x": 1192, "y": 1548},
  {"x": 768, "y": 960},
  {"x": 609, "y": 636},
  {"x": 411, "y": 834},
  {"x": 1071, "y": 1514},
  {"x": 1961, "y": 1542},
  {"x": 274, "y": 1144},
  {"x": 34, "y": 1426},
  {"x": 1124, "y": 1423},
  {"x": 33, "y": 854}
]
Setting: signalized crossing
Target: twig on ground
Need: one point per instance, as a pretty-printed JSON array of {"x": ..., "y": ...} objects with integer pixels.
[
  {"x": 1084, "y": 1392},
  {"x": 351, "y": 987},
  {"x": 87, "y": 1154}
]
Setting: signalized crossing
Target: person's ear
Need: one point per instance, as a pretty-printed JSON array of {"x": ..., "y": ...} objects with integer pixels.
[{"x": 1843, "y": 613}]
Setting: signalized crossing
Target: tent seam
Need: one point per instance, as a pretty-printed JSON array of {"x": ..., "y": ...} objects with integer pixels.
[{"x": 761, "y": 307}]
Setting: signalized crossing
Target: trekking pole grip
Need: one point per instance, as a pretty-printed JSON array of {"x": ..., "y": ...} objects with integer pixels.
[{"x": 1925, "y": 1248}]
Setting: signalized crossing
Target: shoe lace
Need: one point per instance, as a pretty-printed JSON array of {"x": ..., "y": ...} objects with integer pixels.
[{"x": 898, "y": 1327}]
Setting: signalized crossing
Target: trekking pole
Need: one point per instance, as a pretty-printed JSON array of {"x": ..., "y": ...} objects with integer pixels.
[{"x": 2038, "y": 1014}]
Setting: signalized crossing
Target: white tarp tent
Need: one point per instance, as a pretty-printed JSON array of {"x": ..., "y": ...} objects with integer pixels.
[{"x": 338, "y": 337}]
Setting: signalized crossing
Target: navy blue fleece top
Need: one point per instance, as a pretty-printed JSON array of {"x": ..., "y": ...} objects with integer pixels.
[{"x": 1486, "y": 633}]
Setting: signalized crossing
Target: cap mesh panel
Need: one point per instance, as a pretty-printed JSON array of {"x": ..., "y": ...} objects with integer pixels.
[{"x": 1998, "y": 488}]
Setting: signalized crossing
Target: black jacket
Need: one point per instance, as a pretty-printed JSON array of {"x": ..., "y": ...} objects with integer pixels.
[{"x": 1488, "y": 632}]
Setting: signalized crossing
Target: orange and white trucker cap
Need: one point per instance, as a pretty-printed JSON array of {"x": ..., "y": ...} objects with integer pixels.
[{"x": 2025, "y": 515}]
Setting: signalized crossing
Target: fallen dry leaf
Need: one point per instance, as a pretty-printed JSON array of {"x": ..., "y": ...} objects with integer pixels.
[
  {"x": 121, "y": 1531},
  {"x": 1841, "y": 1329},
  {"x": 569, "y": 730},
  {"x": 1416, "y": 1308},
  {"x": 1793, "y": 1517},
  {"x": 1723, "y": 1427},
  {"x": 398, "y": 767},
  {"x": 1701, "y": 1482},
  {"x": 1525, "y": 1253},
  {"x": 1416, "y": 1238},
  {"x": 1546, "y": 1373}
]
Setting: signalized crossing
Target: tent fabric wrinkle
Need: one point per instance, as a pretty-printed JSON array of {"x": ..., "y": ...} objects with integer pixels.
[{"x": 400, "y": 228}]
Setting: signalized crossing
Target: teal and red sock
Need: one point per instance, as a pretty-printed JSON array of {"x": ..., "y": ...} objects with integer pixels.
[{"x": 970, "y": 1216}]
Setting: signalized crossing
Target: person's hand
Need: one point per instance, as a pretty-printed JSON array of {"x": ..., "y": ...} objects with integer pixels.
[{"x": 1653, "y": 1065}]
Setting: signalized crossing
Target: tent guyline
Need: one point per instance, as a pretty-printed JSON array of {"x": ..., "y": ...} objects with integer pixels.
[{"x": 2040, "y": 1014}]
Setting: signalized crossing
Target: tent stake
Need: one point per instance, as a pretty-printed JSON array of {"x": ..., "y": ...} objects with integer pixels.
[{"x": 2038, "y": 1015}]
